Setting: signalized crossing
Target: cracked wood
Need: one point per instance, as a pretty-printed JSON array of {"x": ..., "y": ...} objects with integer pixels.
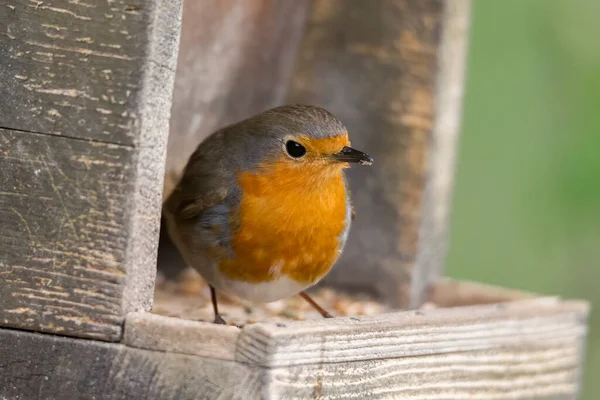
[
  {"x": 73, "y": 68},
  {"x": 64, "y": 206},
  {"x": 86, "y": 91}
]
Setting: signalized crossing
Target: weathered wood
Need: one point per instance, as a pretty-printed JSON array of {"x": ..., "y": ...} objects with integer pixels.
[
  {"x": 236, "y": 59},
  {"x": 155, "y": 332},
  {"x": 518, "y": 350},
  {"x": 63, "y": 209},
  {"x": 521, "y": 350},
  {"x": 415, "y": 333},
  {"x": 527, "y": 323},
  {"x": 86, "y": 92},
  {"x": 74, "y": 69},
  {"x": 40, "y": 367},
  {"x": 439, "y": 171},
  {"x": 540, "y": 373},
  {"x": 382, "y": 70}
]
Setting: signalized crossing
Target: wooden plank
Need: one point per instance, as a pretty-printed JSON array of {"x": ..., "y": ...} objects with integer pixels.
[
  {"x": 79, "y": 214},
  {"x": 505, "y": 373},
  {"x": 73, "y": 68},
  {"x": 519, "y": 350},
  {"x": 522, "y": 350},
  {"x": 525, "y": 324},
  {"x": 154, "y": 332},
  {"x": 439, "y": 170},
  {"x": 37, "y": 366},
  {"x": 63, "y": 208},
  {"x": 382, "y": 78}
]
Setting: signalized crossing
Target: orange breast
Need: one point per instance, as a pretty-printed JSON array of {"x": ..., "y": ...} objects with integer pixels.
[{"x": 291, "y": 219}]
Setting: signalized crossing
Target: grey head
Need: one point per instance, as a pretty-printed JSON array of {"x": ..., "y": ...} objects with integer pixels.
[
  {"x": 264, "y": 136},
  {"x": 245, "y": 145}
]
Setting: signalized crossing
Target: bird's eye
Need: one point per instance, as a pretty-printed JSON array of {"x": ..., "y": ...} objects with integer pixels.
[{"x": 295, "y": 149}]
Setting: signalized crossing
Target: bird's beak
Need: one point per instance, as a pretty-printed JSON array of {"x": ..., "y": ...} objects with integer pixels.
[{"x": 348, "y": 154}]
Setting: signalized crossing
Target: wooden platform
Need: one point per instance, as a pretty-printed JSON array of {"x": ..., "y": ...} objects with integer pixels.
[{"x": 526, "y": 348}]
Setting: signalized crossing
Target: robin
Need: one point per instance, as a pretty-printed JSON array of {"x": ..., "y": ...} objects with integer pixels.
[{"x": 263, "y": 210}]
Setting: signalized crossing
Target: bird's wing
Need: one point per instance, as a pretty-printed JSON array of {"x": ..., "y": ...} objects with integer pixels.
[{"x": 202, "y": 205}]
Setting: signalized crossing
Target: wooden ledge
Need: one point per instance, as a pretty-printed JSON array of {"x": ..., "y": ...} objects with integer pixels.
[
  {"x": 155, "y": 332},
  {"x": 520, "y": 348},
  {"x": 413, "y": 333},
  {"x": 539, "y": 322}
]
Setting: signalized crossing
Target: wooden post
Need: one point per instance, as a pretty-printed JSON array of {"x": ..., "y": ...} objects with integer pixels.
[
  {"x": 394, "y": 75},
  {"x": 86, "y": 92},
  {"x": 439, "y": 169}
]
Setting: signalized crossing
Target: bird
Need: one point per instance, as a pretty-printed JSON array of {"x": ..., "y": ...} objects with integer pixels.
[{"x": 262, "y": 210}]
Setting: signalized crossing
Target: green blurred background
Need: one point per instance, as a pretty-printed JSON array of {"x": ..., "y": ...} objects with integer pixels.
[{"x": 526, "y": 210}]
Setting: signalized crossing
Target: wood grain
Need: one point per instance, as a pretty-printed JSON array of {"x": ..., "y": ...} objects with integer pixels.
[
  {"x": 380, "y": 77},
  {"x": 82, "y": 149},
  {"x": 540, "y": 372},
  {"x": 73, "y": 68},
  {"x": 36, "y": 366},
  {"x": 519, "y": 350},
  {"x": 547, "y": 322},
  {"x": 399, "y": 334},
  {"x": 63, "y": 238},
  {"x": 206, "y": 339}
]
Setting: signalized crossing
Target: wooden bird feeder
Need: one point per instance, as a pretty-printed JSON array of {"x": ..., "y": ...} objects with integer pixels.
[{"x": 87, "y": 89}]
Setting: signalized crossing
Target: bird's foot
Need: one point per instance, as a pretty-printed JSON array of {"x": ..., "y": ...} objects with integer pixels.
[{"x": 314, "y": 304}]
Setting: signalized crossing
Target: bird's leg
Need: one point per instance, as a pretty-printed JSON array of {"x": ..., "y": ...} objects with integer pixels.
[
  {"x": 213, "y": 295},
  {"x": 314, "y": 304}
]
